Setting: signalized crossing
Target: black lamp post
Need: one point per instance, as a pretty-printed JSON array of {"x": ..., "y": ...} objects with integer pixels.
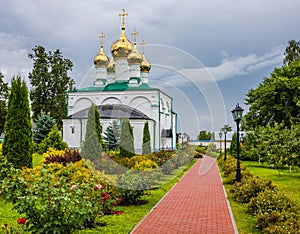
[
  {"x": 225, "y": 129},
  {"x": 220, "y": 135},
  {"x": 237, "y": 114}
]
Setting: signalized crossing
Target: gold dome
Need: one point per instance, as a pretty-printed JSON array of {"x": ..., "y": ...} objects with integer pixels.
[
  {"x": 111, "y": 66},
  {"x": 134, "y": 57},
  {"x": 122, "y": 47},
  {"x": 145, "y": 65},
  {"x": 101, "y": 60}
]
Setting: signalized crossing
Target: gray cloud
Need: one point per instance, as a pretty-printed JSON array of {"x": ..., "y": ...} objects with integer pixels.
[{"x": 253, "y": 35}]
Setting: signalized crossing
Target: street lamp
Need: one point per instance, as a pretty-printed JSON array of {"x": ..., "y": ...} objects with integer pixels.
[
  {"x": 237, "y": 114},
  {"x": 225, "y": 129},
  {"x": 220, "y": 135}
]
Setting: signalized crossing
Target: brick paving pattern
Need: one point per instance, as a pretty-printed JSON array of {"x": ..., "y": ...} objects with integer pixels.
[{"x": 196, "y": 204}]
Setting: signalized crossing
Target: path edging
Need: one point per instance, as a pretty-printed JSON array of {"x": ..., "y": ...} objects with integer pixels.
[
  {"x": 228, "y": 205},
  {"x": 154, "y": 207}
]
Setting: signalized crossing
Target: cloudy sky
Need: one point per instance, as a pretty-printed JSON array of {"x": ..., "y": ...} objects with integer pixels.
[{"x": 206, "y": 54}]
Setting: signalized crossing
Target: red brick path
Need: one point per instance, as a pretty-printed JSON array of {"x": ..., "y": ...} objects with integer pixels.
[{"x": 196, "y": 204}]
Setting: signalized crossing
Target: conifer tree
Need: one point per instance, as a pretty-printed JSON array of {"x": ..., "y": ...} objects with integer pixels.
[
  {"x": 18, "y": 144},
  {"x": 91, "y": 148},
  {"x": 98, "y": 126},
  {"x": 53, "y": 140},
  {"x": 146, "y": 139},
  {"x": 126, "y": 140},
  {"x": 112, "y": 135},
  {"x": 44, "y": 124}
]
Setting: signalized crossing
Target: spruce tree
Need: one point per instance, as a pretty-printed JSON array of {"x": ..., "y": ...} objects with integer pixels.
[
  {"x": 126, "y": 140},
  {"x": 112, "y": 135},
  {"x": 91, "y": 147},
  {"x": 53, "y": 140},
  {"x": 18, "y": 144},
  {"x": 146, "y": 139},
  {"x": 44, "y": 124}
]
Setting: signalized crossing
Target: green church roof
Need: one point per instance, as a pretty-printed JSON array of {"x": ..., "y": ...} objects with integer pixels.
[{"x": 116, "y": 86}]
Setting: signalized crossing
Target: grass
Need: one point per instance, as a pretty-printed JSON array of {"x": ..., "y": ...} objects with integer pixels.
[
  {"x": 124, "y": 223},
  {"x": 245, "y": 222},
  {"x": 7, "y": 214},
  {"x": 287, "y": 182}
]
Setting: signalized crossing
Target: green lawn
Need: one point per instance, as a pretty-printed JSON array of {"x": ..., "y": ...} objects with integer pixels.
[
  {"x": 245, "y": 222},
  {"x": 286, "y": 182}
]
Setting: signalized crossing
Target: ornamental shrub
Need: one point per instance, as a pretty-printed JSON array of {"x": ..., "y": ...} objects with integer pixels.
[
  {"x": 53, "y": 140},
  {"x": 132, "y": 184},
  {"x": 59, "y": 199},
  {"x": 249, "y": 188},
  {"x": 272, "y": 208},
  {"x": 142, "y": 162},
  {"x": 69, "y": 156}
]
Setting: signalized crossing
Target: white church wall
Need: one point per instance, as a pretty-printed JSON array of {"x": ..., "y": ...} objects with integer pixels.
[{"x": 141, "y": 103}]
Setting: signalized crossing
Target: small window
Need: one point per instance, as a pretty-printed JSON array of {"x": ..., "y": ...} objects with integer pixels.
[{"x": 72, "y": 129}]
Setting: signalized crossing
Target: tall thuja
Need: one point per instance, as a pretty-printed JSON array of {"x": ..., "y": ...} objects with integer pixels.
[
  {"x": 44, "y": 124},
  {"x": 126, "y": 140},
  {"x": 98, "y": 126},
  {"x": 91, "y": 147},
  {"x": 146, "y": 139},
  {"x": 18, "y": 144}
]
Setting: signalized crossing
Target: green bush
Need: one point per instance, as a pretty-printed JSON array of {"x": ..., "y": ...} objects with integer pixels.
[
  {"x": 272, "y": 208},
  {"x": 58, "y": 199},
  {"x": 249, "y": 188},
  {"x": 53, "y": 140},
  {"x": 132, "y": 184}
]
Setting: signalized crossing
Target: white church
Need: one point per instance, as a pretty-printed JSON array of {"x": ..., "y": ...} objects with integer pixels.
[{"x": 121, "y": 90}]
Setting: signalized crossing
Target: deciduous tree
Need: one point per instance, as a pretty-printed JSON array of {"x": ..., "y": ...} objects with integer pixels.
[
  {"x": 3, "y": 101},
  {"x": 49, "y": 80},
  {"x": 292, "y": 52},
  {"x": 276, "y": 99}
]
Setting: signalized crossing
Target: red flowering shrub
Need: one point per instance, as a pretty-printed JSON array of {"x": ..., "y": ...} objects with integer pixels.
[{"x": 21, "y": 220}]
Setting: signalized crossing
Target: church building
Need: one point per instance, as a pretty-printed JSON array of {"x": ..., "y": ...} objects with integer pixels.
[{"x": 121, "y": 90}]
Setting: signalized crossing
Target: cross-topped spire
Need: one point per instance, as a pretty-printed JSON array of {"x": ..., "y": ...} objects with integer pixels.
[
  {"x": 143, "y": 43},
  {"x": 123, "y": 14},
  {"x": 134, "y": 36},
  {"x": 102, "y": 36}
]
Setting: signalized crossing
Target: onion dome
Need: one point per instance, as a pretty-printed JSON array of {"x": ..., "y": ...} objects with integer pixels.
[
  {"x": 134, "y": 57},
  {"x": 122, "y": 47},
  {"x": 111, "y": 66},
  {"x": 101, "y": 60},
  {"x": 145, "y": 65}
]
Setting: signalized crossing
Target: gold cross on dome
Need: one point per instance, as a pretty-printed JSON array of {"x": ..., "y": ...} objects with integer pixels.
[
  {"x": 143, "y": 46},
  {"x": 134, "y": 36},
  {"x": 123, "y": 14},
  {"x": 102, "y": 36}
]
